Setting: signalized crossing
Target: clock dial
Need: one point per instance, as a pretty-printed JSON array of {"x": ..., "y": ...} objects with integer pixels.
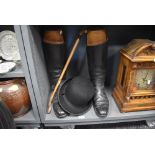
[{"x": 145, "y": 79}]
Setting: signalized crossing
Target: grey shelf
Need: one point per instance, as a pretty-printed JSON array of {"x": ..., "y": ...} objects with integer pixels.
[
  {"x": 17, "y": 72},
  {"x": 27, "y": 118},
  {"x": 90, "y": 117}
]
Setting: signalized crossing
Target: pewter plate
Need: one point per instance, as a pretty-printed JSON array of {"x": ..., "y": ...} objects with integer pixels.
[
  {"x": 6, "y": 67},
  {"x": 8, "y": 46}
]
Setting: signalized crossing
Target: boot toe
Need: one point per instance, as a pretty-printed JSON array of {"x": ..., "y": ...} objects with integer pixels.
[
  {"x": 102, "y": 110},
  {"x": 59, "y": 112}
]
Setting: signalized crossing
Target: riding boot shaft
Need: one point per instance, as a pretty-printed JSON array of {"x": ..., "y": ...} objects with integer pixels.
[
  {"x": 97, "y": 54},
  {"x": 54, "y": 49}
]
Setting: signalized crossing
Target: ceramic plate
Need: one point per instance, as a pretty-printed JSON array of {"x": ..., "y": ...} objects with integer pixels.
[
  {"x": 5, "y": 67},
  {"x": 8, "y": 46}
]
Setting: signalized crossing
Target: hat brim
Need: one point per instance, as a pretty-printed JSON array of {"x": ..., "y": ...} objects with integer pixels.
[{"x": 67, "y": 105}]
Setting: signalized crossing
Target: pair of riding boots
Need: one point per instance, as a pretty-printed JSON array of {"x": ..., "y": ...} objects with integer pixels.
[{"x": 54, "y": 49}]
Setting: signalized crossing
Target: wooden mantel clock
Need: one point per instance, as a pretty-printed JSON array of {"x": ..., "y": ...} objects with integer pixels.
[{"x": 135, "y": 84}]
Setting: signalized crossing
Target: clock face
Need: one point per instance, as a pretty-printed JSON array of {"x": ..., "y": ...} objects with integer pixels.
[{"x": 145, "y": 79}]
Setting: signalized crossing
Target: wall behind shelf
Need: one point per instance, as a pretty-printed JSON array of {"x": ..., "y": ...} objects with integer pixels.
[
  {"x": 119, "y": 35},
  {"x": 122, "y": 34},
  {"x": 6, "y": 27}
]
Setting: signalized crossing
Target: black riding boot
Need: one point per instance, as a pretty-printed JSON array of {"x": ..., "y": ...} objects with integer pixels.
[
  {"x": 54, "y": 50},
  {"x": 96, "y": 53}
]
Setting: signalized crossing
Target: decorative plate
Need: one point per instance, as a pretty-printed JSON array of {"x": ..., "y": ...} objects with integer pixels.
[
  {"x": 8, "y": 46},
  {"x": 5, "y": 67}
]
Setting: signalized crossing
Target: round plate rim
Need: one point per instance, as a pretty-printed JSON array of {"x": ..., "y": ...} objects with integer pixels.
[
  {"x": 7, "y": 32},
  {"x": 9, "y": 68}
]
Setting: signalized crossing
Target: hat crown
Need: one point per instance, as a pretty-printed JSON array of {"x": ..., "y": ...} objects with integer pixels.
[{"x": 79, "y": 91}]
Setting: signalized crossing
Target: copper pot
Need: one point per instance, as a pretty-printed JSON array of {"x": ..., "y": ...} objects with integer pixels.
[{"x": 14, "y": 94}]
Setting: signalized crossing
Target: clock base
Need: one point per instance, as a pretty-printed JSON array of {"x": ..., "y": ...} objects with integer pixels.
[{"x": 132, "y": 105}]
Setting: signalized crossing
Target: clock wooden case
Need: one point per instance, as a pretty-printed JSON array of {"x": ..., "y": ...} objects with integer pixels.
[{"x": 135, "y": 83}]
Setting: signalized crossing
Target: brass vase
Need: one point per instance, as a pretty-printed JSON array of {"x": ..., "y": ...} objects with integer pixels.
[{"x": 14, "y": 94}]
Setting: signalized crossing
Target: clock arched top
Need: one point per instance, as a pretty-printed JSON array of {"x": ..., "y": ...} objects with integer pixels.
[{"x": 140, "y": 50}]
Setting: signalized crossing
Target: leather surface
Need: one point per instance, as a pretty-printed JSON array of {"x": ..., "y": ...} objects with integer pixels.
[
  {"x": 54, "y": 37},
  {"x": 59, "y": 112},
  {"x": 55, "y": 59},
  {"x": 97, "y": 70},
  {"x": 96, "y": 37}
]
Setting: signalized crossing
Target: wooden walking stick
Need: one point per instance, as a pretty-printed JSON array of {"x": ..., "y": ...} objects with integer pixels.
[{"x": 64, "y": 70}]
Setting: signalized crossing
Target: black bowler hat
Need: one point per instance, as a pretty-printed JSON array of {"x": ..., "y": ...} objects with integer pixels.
[{"x": 75, "y": 95}]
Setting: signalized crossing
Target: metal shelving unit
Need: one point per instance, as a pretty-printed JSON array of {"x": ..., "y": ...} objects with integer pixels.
[
  {"x": 37, "y": 69},
  {"x": 22, "y": 70}
]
